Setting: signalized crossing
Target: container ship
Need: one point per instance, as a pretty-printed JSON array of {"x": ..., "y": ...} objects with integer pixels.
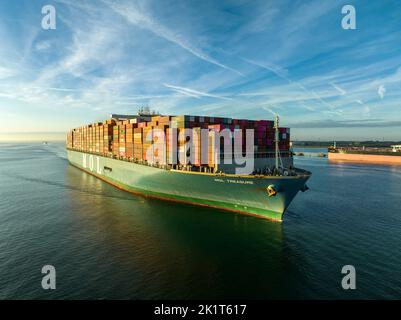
[
  {"x": 390, "y": 155},
  {"x": 193, "y": 159}
]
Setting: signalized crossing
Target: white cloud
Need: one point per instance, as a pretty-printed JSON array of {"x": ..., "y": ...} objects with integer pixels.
[
  {"x": 269, "y": 109},
  {"x": 142, "y": 20},
  {"x": 6, "y": 72},
  {"x": 367, "y": 111},
  {"x": 381, "y": 91},
  {"x": 43, "y": 45},
  {"x": 282, "y": 73},
  {"x": 340, "y": 90},
  {"x": 193, "y": 93},
  {"x": 277, "y": 70}
]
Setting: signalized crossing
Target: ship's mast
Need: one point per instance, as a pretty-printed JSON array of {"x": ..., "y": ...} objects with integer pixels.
[{"x": 276, "y": 126}]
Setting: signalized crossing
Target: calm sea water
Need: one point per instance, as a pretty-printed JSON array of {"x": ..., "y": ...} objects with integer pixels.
[{"x": 105, "y": 243}]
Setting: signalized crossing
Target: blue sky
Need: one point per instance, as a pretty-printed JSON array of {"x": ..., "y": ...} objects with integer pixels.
[{"x": 243, "y": 59}]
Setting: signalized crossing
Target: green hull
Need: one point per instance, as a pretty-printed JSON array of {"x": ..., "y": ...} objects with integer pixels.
[{"x": 244, "y": 194}]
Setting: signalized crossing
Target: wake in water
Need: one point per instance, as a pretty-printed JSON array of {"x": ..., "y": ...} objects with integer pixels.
[
  {"x": 57, "y": 149},
  {"x": 38, "y": 152},
  {"x": 69, "y": 187}
]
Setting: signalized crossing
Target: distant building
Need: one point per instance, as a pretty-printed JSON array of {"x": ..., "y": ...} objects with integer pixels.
[{"x": 396, "y": 148}]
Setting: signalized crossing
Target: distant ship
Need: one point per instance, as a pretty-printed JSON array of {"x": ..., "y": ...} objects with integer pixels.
[
  {"x": 114, "y": 151},
  {"x": 45, "y": 143},
  {"x": 379, "y": 155}
]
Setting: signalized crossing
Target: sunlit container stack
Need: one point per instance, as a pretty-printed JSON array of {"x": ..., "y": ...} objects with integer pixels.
[
  {"x": 131, "y": 139},
  {"x": 137, "y": 154}
]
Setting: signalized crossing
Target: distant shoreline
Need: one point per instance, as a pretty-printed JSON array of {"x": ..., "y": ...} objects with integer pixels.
[
  {"x": 30, "y": 141},
  {"x": 344, "y": 144},
  {"x": 310, "y": 147}
]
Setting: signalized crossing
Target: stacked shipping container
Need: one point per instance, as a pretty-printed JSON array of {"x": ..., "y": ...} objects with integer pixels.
[{"x": 132, "y": 139}]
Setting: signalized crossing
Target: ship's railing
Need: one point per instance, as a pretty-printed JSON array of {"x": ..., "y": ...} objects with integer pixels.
[
  {"x": 260, "y": 154},
  {"x": 198, "y": 169}
]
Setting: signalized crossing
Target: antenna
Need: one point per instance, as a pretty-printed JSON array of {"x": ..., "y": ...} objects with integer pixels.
[{"x": 276, "y": 126}]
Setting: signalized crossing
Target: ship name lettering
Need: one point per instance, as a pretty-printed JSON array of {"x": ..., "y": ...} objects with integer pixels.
[
  {"x": 99, "y": 170},
  {"x": 84, "y": 160},
  {"x": 91, "y": 164},
  {"x": 239, "y": 181}
]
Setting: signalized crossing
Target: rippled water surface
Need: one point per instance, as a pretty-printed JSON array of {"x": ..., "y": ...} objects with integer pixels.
[{"x": 105, "y": 243}]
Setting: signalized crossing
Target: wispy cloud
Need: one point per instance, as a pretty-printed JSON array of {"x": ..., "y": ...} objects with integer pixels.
[
  {"x": 340, "y": 90},
  {"x": 282, "y": 73},
  {"x": 194, "y": 93},
  {"x": 43, "y": 45},
  {"x": 277, "y": 70},
  {"x": 270, "y": 110},
  {"x": 330, "y": 123},
  {"x": 6, "y": 72},
  {"x": 140, "y": 19},
  {"x": 381, "y": 91}
]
